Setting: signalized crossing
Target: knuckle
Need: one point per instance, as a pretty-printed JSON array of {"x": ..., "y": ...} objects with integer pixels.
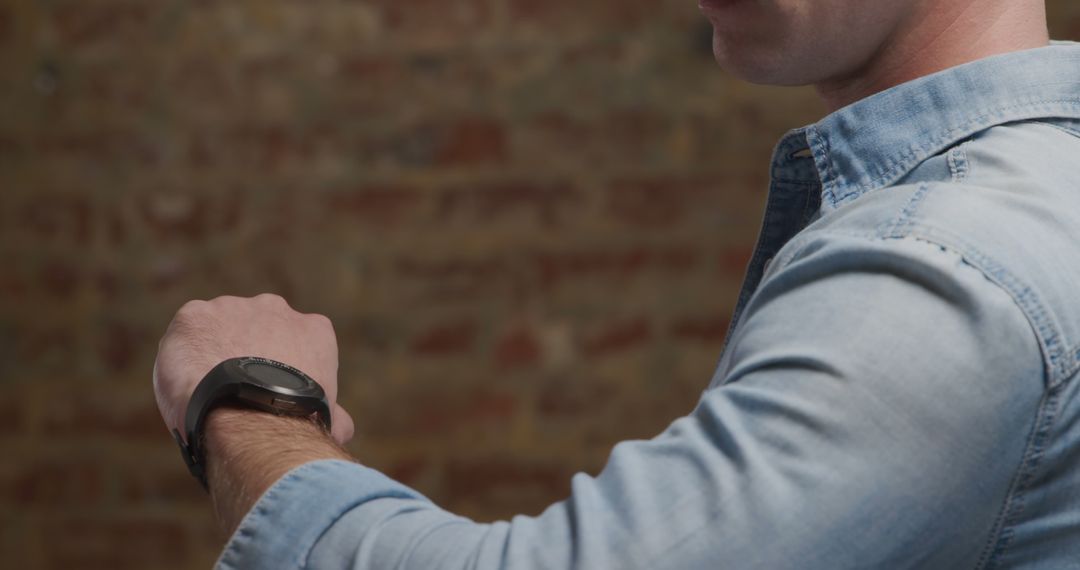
[
  {"x": 271, "y": 299},
  {"x": 191, "y": 307},
  {"x": 321, "y": 321}
]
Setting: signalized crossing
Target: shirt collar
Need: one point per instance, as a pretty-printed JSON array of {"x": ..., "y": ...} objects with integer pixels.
[{"x": 876, "y": 141}]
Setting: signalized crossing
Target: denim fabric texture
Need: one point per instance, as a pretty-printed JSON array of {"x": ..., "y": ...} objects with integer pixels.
[{"x": 898, "y": 388}]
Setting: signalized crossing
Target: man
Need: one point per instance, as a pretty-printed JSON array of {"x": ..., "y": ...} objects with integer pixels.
[{"x": 898, "y": 389}]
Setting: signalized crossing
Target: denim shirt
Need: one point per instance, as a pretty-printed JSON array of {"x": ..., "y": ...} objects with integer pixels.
[{"x": 898, "y": 388}]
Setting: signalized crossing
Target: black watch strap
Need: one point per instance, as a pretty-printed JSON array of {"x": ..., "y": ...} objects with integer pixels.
[{"x": 247, "y": 382}]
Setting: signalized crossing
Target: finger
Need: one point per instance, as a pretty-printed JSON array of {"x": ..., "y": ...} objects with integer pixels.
[{"x": 341, "y": 425}]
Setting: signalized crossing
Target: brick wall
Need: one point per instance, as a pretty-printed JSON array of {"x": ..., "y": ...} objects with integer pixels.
[{"x": 528, "y": 221}]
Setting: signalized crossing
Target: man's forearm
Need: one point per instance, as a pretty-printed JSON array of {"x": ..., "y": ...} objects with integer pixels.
[{"x": 247, "y": 451}]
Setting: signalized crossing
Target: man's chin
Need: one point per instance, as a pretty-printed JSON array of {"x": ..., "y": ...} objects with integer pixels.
[
  {"x": 758, "y": 74},
  {"x": 762, "y": 67}
]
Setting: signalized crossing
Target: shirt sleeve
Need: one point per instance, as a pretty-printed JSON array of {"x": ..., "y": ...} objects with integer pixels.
[{"x": 874, "y": 412}]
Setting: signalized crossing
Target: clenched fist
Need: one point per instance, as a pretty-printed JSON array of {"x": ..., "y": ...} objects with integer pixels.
[{"x": 204, "y": 333}]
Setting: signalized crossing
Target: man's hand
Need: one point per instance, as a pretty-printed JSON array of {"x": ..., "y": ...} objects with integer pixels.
[{"x": 204, "y": 333}]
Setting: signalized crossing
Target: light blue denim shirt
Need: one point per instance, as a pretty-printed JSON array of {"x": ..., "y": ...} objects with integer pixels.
[{"x": 898, "y": 388}]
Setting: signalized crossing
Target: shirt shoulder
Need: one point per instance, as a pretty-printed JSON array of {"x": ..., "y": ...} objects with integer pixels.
[{"x": 1007, "y": 202}]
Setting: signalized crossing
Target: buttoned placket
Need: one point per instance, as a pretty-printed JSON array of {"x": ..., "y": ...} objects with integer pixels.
[{"x": 794, "y": 198}]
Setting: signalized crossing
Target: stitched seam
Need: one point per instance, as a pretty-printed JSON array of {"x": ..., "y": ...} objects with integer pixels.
[
  {"x": 958, "y": 163},
  {"x": 1049, "y": 337},
  {"x": 904, "y": 221},
  {"x": 1061, "y": 359},
  {"x": 998, "y": 543},
  {"x": 1003, "y": 531},
  {"x": 912, "y": 154},
  {"x": 1067, "y": 130},
  {"x": 740, "y": 304},
  {"x": 1012, "y": 507},
  {"x": 1024, "y": 295},
  {"x": 914, "y": 150},
  {"x": 823, "y": 148}
]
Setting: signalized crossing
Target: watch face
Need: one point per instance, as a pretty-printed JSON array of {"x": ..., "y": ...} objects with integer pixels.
[{"x": 275, "y": 376}]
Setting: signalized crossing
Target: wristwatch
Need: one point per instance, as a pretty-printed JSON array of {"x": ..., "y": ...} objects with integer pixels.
[{"x": 249, "y": 382}]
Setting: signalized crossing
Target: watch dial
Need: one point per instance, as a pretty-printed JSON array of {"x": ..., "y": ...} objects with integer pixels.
[{"x": 275, "y": 376}]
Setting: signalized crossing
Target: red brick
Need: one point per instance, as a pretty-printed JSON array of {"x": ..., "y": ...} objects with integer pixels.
[
  {"x": 437, "y": 410},
  {"x": 637, "y": 416},
  {"x": 200, "y": 152},
  {"x": 562, "y": 131},
  {"x": 616, "y": 337},
  {"x": 613, "y": 265},
  {"x": 638, "y": 134},
  {"x": 657, "y": 203},
  {"x": 187, "y": 216},
  {"x": 373, "y": 85},
  {"x": 368, "y": 333},
  {"x": 270, "y": 66},
  {"x": 470, "y": 142},
  {"x": 44, "y": 345},
  {"x": 74, "y": 412},
  {"x": 440, "y": 415},
  {"x": 460, "y": 143},
  {"x": 434, "y": 20},
  {"x": 12, "y": 416},
  {"x": 273, "y": 148},
  {"x": 11, "y": 147},
  {"x": 371, "y": 68},
  {"x": 116, "y": 229},
  {"x": 734, "y": 260},
  {"x": 409, "y": 471},
  {"x": 707, "y": 329},
  {"x": 101, "y": 542},
  {"x": 79, "y": 24},
  {"x": 518, "y": 348},
  {"x": 94, "y": 145},
  {"x": 628, "y": 136},
  {"x": 165, "y": 483},
  {"x": 111, "y": 87},
  {"x": 167, "y": 273},
  {"x": 445, "y": 339},
  {"x": 57, "y": 216},
  {"x": 573, "y": 398},
  {"x": 375, "y": 206},
  {"x": 453, "y": 280},
  {"x": 60, "y": 278},
  {"x": 1064, "y": 23},
  {"x": 476, "y": 478},
  {"x": 119, "y": 345},
  {"x": 13, "y": 286},
  {"x": 69, "y": 482},
  {"x": 557, "y": 15},
  {"x": 590, "y": 54},
  {"x": 548, "y": 204},
  {"x": 106, "y": 283},
  {"x": 5, "y": 25},
  {"x": 180, "y": 214}
]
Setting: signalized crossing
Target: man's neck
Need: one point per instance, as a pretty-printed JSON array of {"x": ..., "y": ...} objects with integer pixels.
[{"x": 938, "y": 36}]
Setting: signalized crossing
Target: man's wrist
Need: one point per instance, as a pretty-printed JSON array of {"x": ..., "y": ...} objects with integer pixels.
[{"x": 247, "y": 451}]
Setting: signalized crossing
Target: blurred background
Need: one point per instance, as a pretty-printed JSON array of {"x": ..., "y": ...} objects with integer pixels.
[{"x": 527, "y": 219}]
